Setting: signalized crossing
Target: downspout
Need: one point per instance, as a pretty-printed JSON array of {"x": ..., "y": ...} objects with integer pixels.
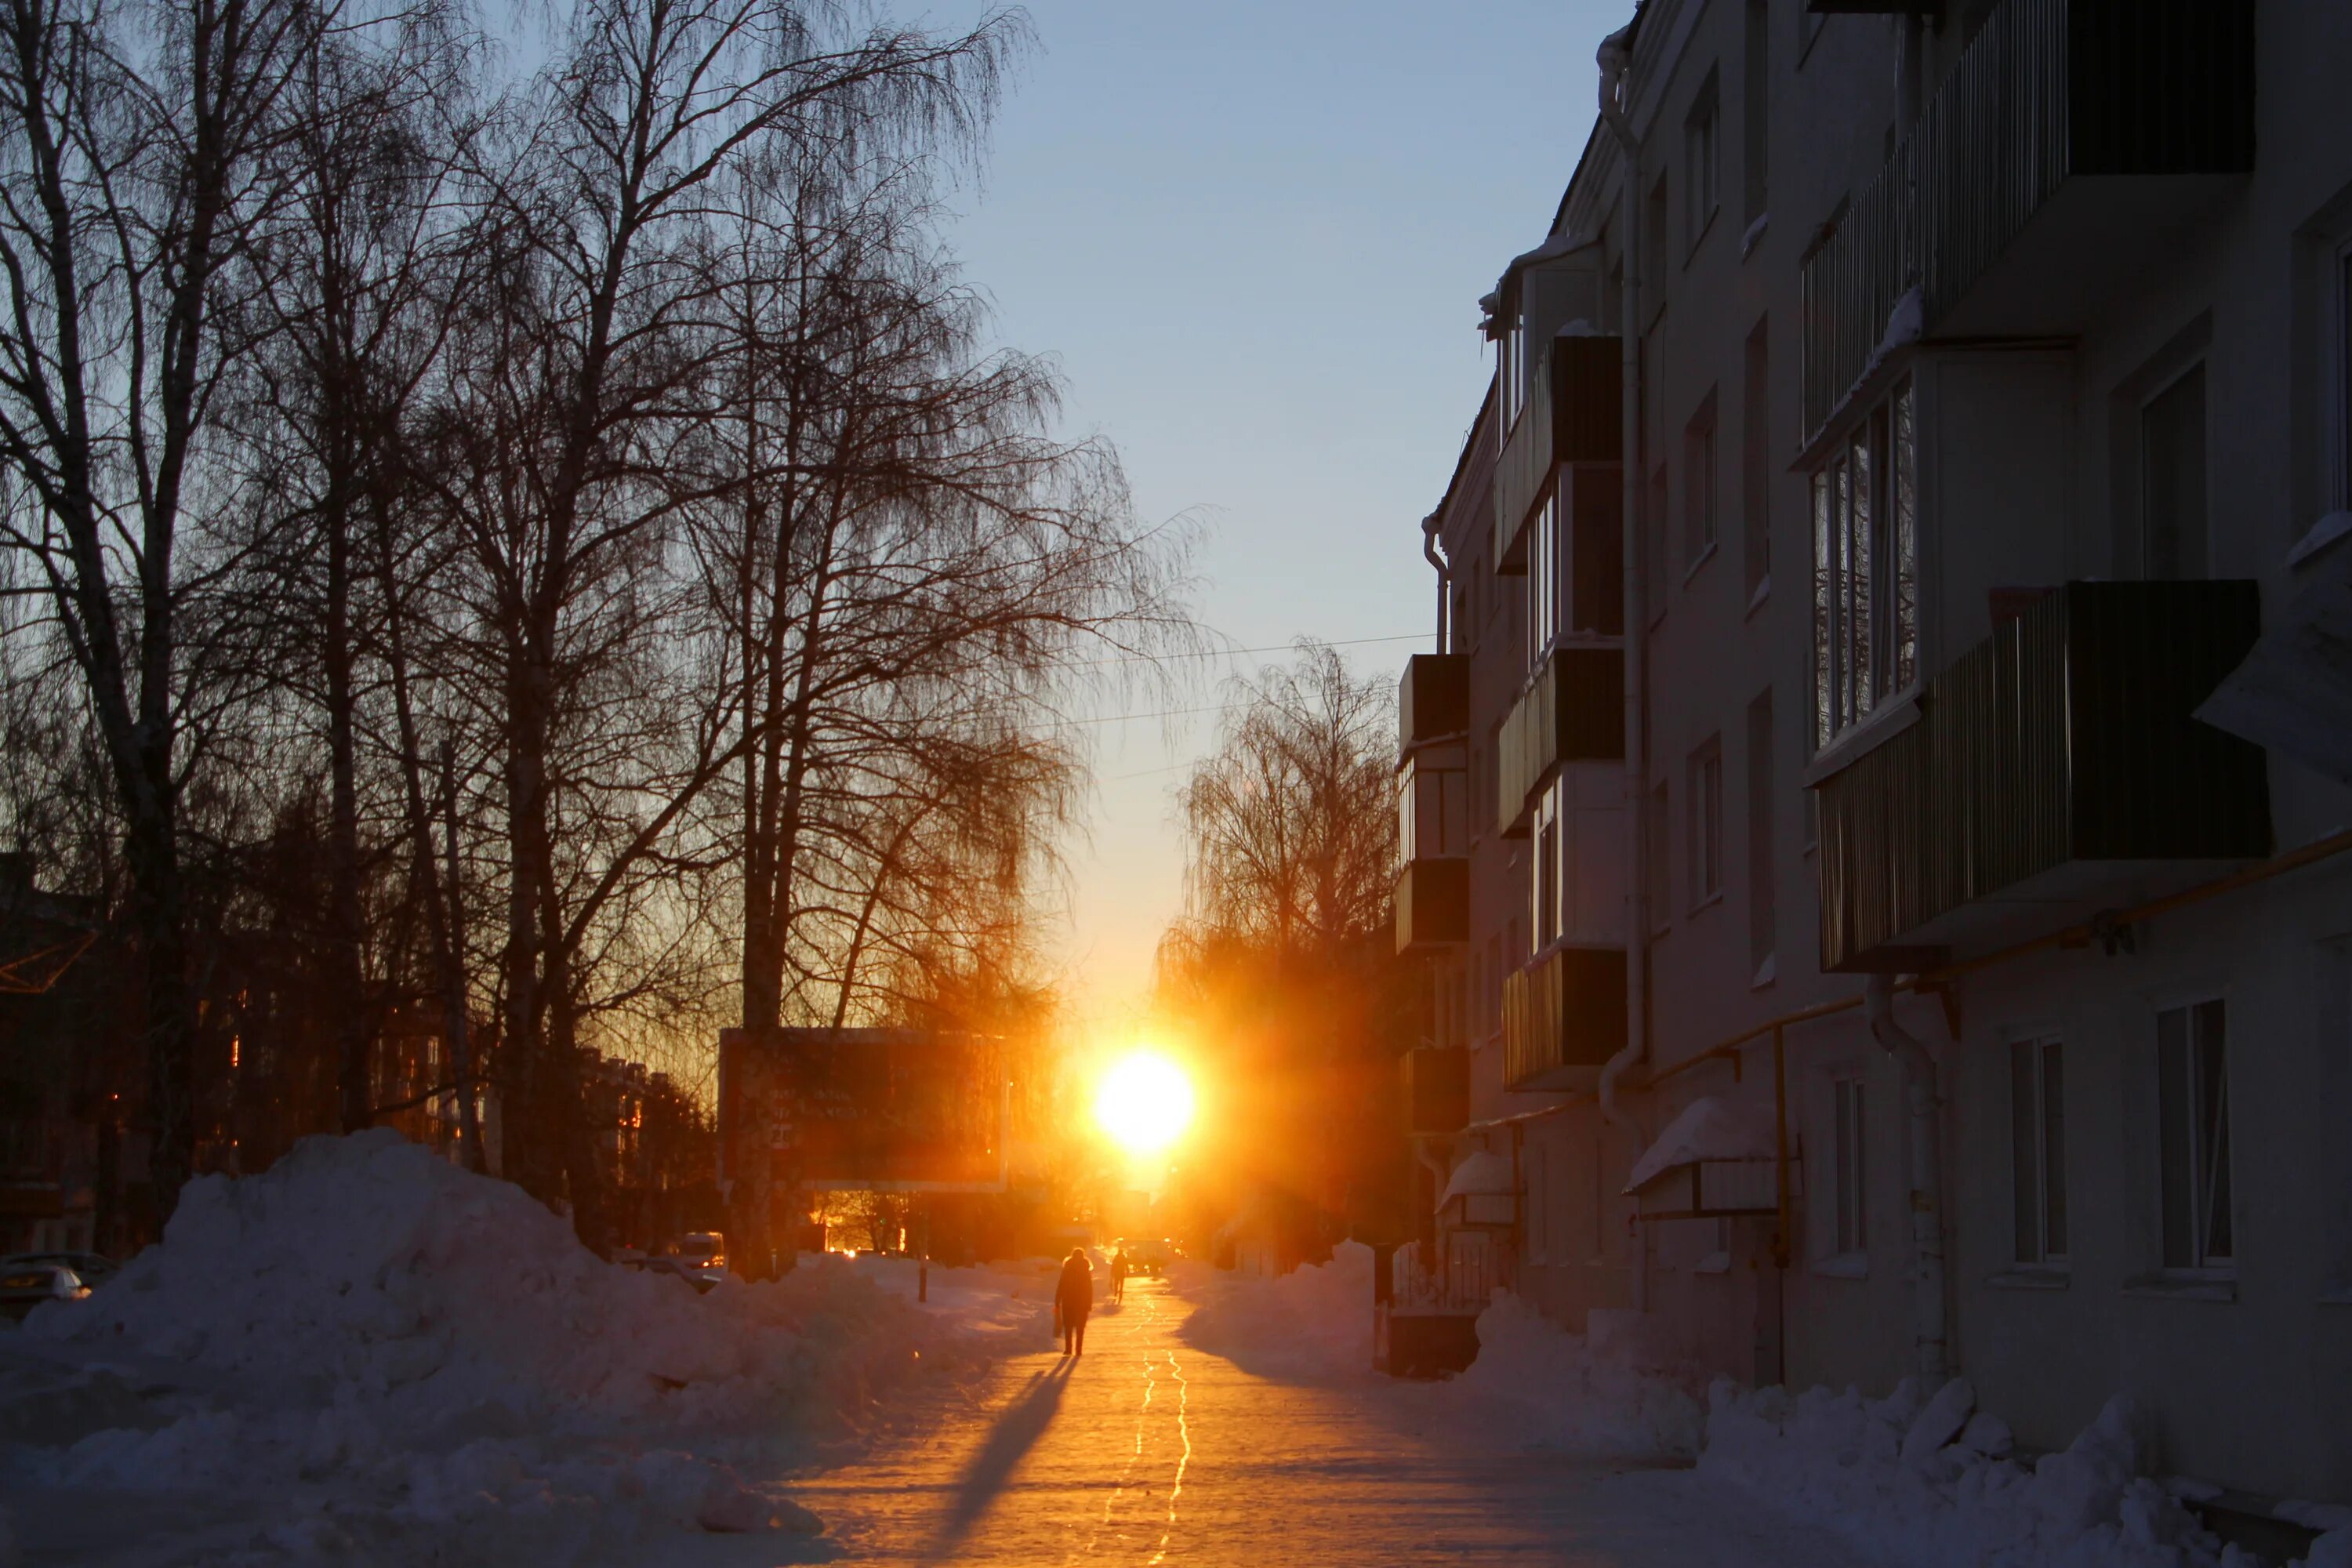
[
  {"x": 1614, "y": 59},
  {"x": 1926, "y": 1194},
  {"x": 1434, "y": 554}
]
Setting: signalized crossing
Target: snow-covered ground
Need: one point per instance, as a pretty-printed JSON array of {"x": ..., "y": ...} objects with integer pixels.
[
  {"x": 367, "y": 1354},
  {"x": 1922, "y": 1476}
]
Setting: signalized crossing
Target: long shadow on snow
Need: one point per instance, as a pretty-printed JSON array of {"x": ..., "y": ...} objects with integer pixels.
[{"x": 1016, "y": 1432}]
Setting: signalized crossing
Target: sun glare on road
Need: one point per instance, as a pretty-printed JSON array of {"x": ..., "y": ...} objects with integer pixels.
[{"x": 1144, "y": 1103}]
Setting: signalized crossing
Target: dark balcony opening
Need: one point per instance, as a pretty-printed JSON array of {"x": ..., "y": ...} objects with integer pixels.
[
  {"x": 1432, "y": 699},
  {"x": 1433, "y": 905},
  {"x": 2055, "y": 769},
  {"x": 1574, "y": 712},
  {"x": 1436, "y": 1089},
  {"x": 1563, "y": 1018}
]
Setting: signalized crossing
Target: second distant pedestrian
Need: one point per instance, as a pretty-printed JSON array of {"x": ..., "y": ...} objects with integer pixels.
[
  {"x": 1120, "y": 1270},
  {"x": 1075, "y": 1296}
]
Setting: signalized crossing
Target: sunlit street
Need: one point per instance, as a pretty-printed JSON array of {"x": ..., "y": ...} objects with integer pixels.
[{"x": 1150, "y": 1450}]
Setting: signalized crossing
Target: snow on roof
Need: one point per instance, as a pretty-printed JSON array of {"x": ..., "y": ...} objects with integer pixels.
[
  {"x": 1481, "y": 1172},
  {"x": 1710, "y": 1128}
]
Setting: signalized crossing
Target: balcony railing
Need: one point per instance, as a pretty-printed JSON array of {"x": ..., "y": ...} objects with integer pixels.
[
  {"x": 1574, "y": 710},
  {"x": 2052, "y": 765},
  {"x": 1432, "y": 904},
  {"x": 1432, "y": 699},
  {"x": 2051, "y": 91},
  {"x": 1563, "y": 1018},
  {"x": 1436, "y": 1089},
  {"x": 1575, "y": 414}
]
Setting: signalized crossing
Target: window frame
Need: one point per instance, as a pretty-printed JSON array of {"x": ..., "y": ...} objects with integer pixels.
[
  {"x": 1702, "y": 164},
  {"x": 2040, "y": 1230},
  {"x": 1704, "y": 788},
  {"x": 2203, "y": 1261},
  {"x": 1849, "y": 1227},
  {"x": 1702, "y": 510},
  {"x": 1763, "y": 892},
  {"x": 1866, "y": 525},
  {"x": 1756, "y": 461},
  {"x": 2182, "y": 568}
]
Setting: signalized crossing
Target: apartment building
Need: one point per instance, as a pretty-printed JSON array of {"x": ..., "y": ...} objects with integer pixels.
[{"x": 1850, "y": 950}]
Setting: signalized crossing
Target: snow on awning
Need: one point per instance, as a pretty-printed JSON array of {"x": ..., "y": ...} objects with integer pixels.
[
  {"x": 2293, "y": 691},
  {"x": 1710, "y": 1127},
  {"x": 1480, "y": 1175}
]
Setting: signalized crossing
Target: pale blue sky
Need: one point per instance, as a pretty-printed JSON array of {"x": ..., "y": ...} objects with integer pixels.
[{"x": 1255, "y": 235}]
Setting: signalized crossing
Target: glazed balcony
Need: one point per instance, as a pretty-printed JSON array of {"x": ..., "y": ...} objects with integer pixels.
[
  {"x": 1563, "y": 1018},
  {"x": 2054, "y": 770},
  {"x": 1436, "y": 1089},
  {"x": 1575, "y": 415},
  {"x": 2073, "y": 140},
  {"x": 1433, "y": 905},
  {"x": 1432, "y": 700},
  {"x": 1572, "y": 711}
]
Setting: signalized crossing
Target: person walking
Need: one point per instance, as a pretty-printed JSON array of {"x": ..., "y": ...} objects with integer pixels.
[
  {"x": 1120, "y": 1270},
  {"x": 1074, "y": 1298}
]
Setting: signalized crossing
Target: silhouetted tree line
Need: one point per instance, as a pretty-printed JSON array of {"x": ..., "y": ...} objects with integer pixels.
[
  {"x": 1284, "y": 964},
  {"x": 550, "y": 549}
]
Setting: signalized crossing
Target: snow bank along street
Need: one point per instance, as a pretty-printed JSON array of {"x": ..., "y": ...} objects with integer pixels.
[{"x": 369, "y": 1355}]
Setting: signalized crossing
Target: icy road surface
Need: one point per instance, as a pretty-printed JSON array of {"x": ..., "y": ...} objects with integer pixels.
[{"x": 1145, "y": 1450}]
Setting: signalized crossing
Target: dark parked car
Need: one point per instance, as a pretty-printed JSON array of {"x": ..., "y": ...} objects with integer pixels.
[
  {"x": 25, "y": 1286},
  {"x": 95, "y": 1270}
]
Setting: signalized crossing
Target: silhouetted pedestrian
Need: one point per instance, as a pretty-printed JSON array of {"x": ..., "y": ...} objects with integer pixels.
[
  {"x": 1074, "y": 1298},
  {"x": 1119, "y": 1269}
]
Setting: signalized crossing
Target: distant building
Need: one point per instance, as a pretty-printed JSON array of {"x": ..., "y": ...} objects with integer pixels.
[{"x": 1816, "y": 671}]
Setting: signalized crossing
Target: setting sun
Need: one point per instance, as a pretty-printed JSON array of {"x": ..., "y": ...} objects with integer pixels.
[{"x": 1144, "y": 1102}]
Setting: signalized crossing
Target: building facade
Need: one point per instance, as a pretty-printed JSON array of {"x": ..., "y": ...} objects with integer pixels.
[{"x": 1860, "y": 957}]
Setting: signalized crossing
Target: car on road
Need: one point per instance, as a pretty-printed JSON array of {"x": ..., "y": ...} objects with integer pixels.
[{"x": 25, "y": 1286}]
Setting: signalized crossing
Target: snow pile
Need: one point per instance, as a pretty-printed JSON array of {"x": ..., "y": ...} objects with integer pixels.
[
  {"x": 1314, "y": 1321},
  {"x": 1605, "y": 1392},
  {"x": 426, "y": 1349},
  {"x": 1931, "y": 1480}
]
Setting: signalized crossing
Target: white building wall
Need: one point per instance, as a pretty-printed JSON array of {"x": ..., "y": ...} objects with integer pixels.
[{"x": 2026, "y": 479}]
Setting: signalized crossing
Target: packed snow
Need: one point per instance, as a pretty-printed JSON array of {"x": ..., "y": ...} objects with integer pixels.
[
  {"x": 1930, "y": 1479},
  {"x": 1314, "y": 1321},
  {"x": 367, "y": 1350}
]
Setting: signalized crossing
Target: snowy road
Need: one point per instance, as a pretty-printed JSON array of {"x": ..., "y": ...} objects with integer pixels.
[{"x": 1146, "y": 1450}]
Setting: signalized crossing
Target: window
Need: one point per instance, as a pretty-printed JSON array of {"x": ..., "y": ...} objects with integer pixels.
[
  {"x": 1706, "y": 840},
  {"x": 1654, "y": 545},
  {"x": 2172, "y": 479},
  {"x": 1866, "y": 569},
  {"x": 1595, "y": 594},
  {"x": 1547, "y": 878},
  {"x": 1756, "y": 463},
  {"x": 1654, "y": 226},
  {"x": 2037, "y": 1132},
  {"x": 1698, "y": 484},
  {"x": 1850, "y": 1229},
  {"x": 1539, "y": 1210},
  {"x": 2193, "y": 1135},
  {"x": 1546, "y": 576},
  {"x": 1661, "y": 880},
  {"x": 1511, "y": 360},
  {"x": 1702, "y": 158},
  {"x": 1754, "y": 105},
  {"x": 2339, "y": 287},
  {"x": 1808, "y": 27},
  {"x": 1433, "y": 795},
  {"x": 1763, "y": 939}
]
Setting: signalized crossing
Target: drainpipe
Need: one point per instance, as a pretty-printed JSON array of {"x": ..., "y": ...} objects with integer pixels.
[
  {"x": 1614, "y": 60},
  {"x": 1927, "y": 1196},
  {"x": 1434, "y": 554}
]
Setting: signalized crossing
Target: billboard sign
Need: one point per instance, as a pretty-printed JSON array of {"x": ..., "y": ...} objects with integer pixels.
[{"x": 875, "y": 1110}]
